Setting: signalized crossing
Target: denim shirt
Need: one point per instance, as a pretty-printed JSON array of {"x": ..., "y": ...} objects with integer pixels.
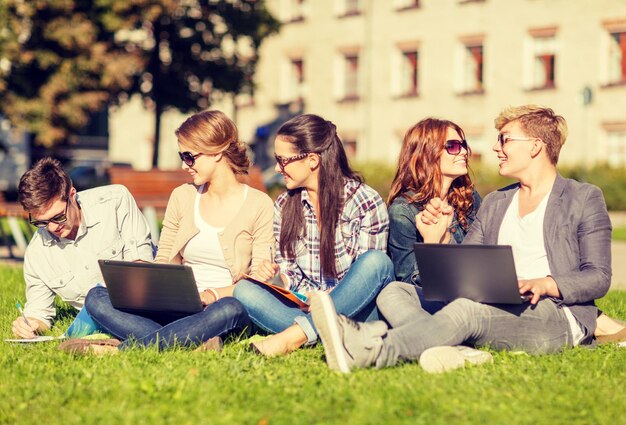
[{"x": 403, "y": 235}]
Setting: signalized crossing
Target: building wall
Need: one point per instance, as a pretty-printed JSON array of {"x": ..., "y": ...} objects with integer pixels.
[{"x": 321, "y": 36}]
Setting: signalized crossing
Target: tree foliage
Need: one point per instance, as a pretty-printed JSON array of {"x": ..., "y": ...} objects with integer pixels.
[
  {"x": 58, "y": 64},
  {"x": 61, "y": 60}
]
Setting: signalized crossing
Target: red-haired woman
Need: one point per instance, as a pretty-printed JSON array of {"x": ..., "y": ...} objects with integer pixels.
[{"x": 433, "y": 164}]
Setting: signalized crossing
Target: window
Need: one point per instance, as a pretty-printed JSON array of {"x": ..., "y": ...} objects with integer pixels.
[
  {"x": 349, "y": 8},
  {"x": 540, "y": 59},
  {"x": 616, "y": 147},
  {"x": 347, "y": 76},
  {"x": 293, "y": 10},
  {"x": 406, "y": 4},
  {"x": 617, "y": 58},
  {"x": 472, "y": 77},
  {"x": 405, "y": 73},
  {"x": 350, "y": 146},
  {"x": 544, "y": 56},
  {"x": 296, "y": 79}
]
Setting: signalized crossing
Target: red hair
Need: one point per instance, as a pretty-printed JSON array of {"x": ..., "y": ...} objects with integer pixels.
[{"x": 419, "y": 170}]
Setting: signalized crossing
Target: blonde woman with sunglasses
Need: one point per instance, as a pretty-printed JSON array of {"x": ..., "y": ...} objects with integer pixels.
[{"x": 217, "y": 225}]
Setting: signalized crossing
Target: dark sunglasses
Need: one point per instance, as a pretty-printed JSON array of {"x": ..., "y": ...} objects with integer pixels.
[
  {"x": 453, "y": 147},
  {"x": 188, "y": 158},
  {"x": 57, "y": 219},
  {"x": 283, "y": 162},
  {"x": 504, "y": 139}
]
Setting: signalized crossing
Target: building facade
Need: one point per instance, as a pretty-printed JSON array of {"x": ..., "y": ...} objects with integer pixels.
[{"x": 376, "y": 67}]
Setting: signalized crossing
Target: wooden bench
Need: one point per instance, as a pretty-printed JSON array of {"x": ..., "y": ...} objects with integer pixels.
[
  {"x": 13, "y": 213},
  {"x": 152, "y": 189}
]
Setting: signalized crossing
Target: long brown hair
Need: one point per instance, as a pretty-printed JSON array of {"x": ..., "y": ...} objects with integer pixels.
[
  {"x": 313, "y": 134},
  {"x": 420, "y": 173}
]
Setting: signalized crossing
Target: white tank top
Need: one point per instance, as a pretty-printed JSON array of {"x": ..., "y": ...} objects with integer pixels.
[{"x": 204, "y": 252}]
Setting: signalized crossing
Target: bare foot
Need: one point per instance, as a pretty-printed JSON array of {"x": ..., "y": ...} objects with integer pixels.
[{"x": 282, "y": 343}]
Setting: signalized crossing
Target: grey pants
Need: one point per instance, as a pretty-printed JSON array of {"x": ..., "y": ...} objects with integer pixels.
[{"x": 542, "y": 328}]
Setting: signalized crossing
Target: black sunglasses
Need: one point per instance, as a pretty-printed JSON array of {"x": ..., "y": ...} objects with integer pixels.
[
  {"x": 188, "y": 158},
  {"x": 57, "y": 219},
  {"x": 453, "y": 147},
  {"x": 283, "y": 162}
]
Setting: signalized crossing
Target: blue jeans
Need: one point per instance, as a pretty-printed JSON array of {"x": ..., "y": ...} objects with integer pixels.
[
  {"x": 542, "y": 328},
  {"x": 217, "y": 319},
  {"x": 354, "y": 297}
]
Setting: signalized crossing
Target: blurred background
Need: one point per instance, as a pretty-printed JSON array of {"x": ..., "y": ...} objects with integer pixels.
[{"x": 106, "y": 84}]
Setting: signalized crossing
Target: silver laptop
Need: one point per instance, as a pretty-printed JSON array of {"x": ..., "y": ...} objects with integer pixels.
[
  {"x": 483, "y": 273},
  {"x": 151, "y": 289}
]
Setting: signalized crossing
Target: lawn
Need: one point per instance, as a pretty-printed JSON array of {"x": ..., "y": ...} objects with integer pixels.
[
  {"x": 39, "y": 384},
  {"x": 619, "y": 233}
]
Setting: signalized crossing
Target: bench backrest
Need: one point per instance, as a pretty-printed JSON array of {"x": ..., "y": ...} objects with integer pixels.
[{"x": 153, "y": 187}]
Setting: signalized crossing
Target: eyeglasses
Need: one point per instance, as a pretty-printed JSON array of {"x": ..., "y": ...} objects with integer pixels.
[
  {"x": 57, "y": 219},
  {"x": 453, "y": 147},
  {"x": 283, "y": 162},
  {"x": 504, "y": 139},
  {"x": 188, "y": 158}
]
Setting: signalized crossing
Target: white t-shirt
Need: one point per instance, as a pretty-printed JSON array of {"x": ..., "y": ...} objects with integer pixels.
[
  {"x": 525, "y": 235},
  {"x": 204, "y": 252}
]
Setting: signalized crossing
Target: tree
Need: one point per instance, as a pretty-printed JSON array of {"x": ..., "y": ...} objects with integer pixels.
[
  {"x": 58, "y": 64},
  {"x": 193, "y": 50},
  {"x": 62, "y": 60}
]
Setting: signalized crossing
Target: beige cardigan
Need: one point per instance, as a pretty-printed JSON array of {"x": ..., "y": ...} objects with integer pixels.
[{"x": 245, "y": 240}]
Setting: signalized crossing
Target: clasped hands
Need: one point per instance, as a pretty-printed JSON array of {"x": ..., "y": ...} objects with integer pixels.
[{"x": 433, "y": 223}]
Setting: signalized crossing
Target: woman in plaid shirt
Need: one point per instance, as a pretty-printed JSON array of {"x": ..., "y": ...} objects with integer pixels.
[{"x": 331, "y": 232}]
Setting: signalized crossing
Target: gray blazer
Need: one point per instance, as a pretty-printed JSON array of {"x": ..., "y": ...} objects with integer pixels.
[{"x": 577, "y": 238}]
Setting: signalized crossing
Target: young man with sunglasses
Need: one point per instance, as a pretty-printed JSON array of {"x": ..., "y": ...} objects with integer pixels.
[
  {"x": 75, "y": 231},
  {"x": 560, "y": 233}
]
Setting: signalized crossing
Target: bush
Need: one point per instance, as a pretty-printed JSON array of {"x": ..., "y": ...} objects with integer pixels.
[{"x": 612, "y": 181}]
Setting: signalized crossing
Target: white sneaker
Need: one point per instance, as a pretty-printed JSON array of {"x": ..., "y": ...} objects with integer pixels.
[
  {"x": 445, "y": 358},
  {"x": 347, "y": 344}
]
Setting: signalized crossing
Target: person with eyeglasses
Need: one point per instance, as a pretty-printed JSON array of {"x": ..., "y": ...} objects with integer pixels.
[
  {"x": 218, "y": 226},
  {"x": 75, "y": 230},
  {"x": 560, "y": 233},
  {"x": 331, "y": 233}
]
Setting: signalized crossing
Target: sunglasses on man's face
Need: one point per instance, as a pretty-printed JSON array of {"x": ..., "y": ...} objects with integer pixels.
[
  {"x": 57, "y": 219},
  {"x": 453, "y": 147},
  {"x": 505, "y": 138},
  {"x": 284, "y": 161},
  {"x": 188, "y": 158}
]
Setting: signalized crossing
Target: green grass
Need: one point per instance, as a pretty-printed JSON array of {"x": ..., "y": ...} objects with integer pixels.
[
  {"x": 619, "y": 234},
  {"x": 39, "y": 384}
]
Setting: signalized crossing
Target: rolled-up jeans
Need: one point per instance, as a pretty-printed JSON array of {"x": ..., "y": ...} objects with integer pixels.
[
  {"x": 217, "y": 319},
  {"x": 537, "y": 329},
  {"x": 354, "y": 296}
]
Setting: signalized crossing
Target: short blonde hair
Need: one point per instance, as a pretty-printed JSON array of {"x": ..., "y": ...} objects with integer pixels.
[
  {"x": 538, "y": 122},
  {"x": 212, "y": 132}
]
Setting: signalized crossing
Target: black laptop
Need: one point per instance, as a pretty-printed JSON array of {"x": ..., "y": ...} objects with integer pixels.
[
  {"x": 151, "y": 289},
  {"x": 483, "y": 273}
]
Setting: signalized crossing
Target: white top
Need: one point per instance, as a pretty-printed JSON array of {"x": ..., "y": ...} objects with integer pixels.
[
  {"x": 112, "y": 228},
  {"x": 525, "y": 235},
  {"x": 204, "y": 252}
]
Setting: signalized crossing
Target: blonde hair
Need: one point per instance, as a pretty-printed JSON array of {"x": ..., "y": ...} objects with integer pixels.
[
  {"x": 212, "y": 132},
  {"x": 539, "y": 122}
]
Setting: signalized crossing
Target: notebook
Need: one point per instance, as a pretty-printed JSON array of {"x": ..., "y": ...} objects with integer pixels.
[
  {"x": 483, "y": 273},
  {"x": 151, "y": 289}
]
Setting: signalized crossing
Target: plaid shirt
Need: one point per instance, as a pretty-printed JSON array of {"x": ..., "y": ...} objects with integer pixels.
[{"x": 362, "y": 226}]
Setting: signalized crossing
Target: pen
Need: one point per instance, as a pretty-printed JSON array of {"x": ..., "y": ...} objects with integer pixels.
[
  {"x": 19, "y": 308},
  {"x": 271, "y": 254}
]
